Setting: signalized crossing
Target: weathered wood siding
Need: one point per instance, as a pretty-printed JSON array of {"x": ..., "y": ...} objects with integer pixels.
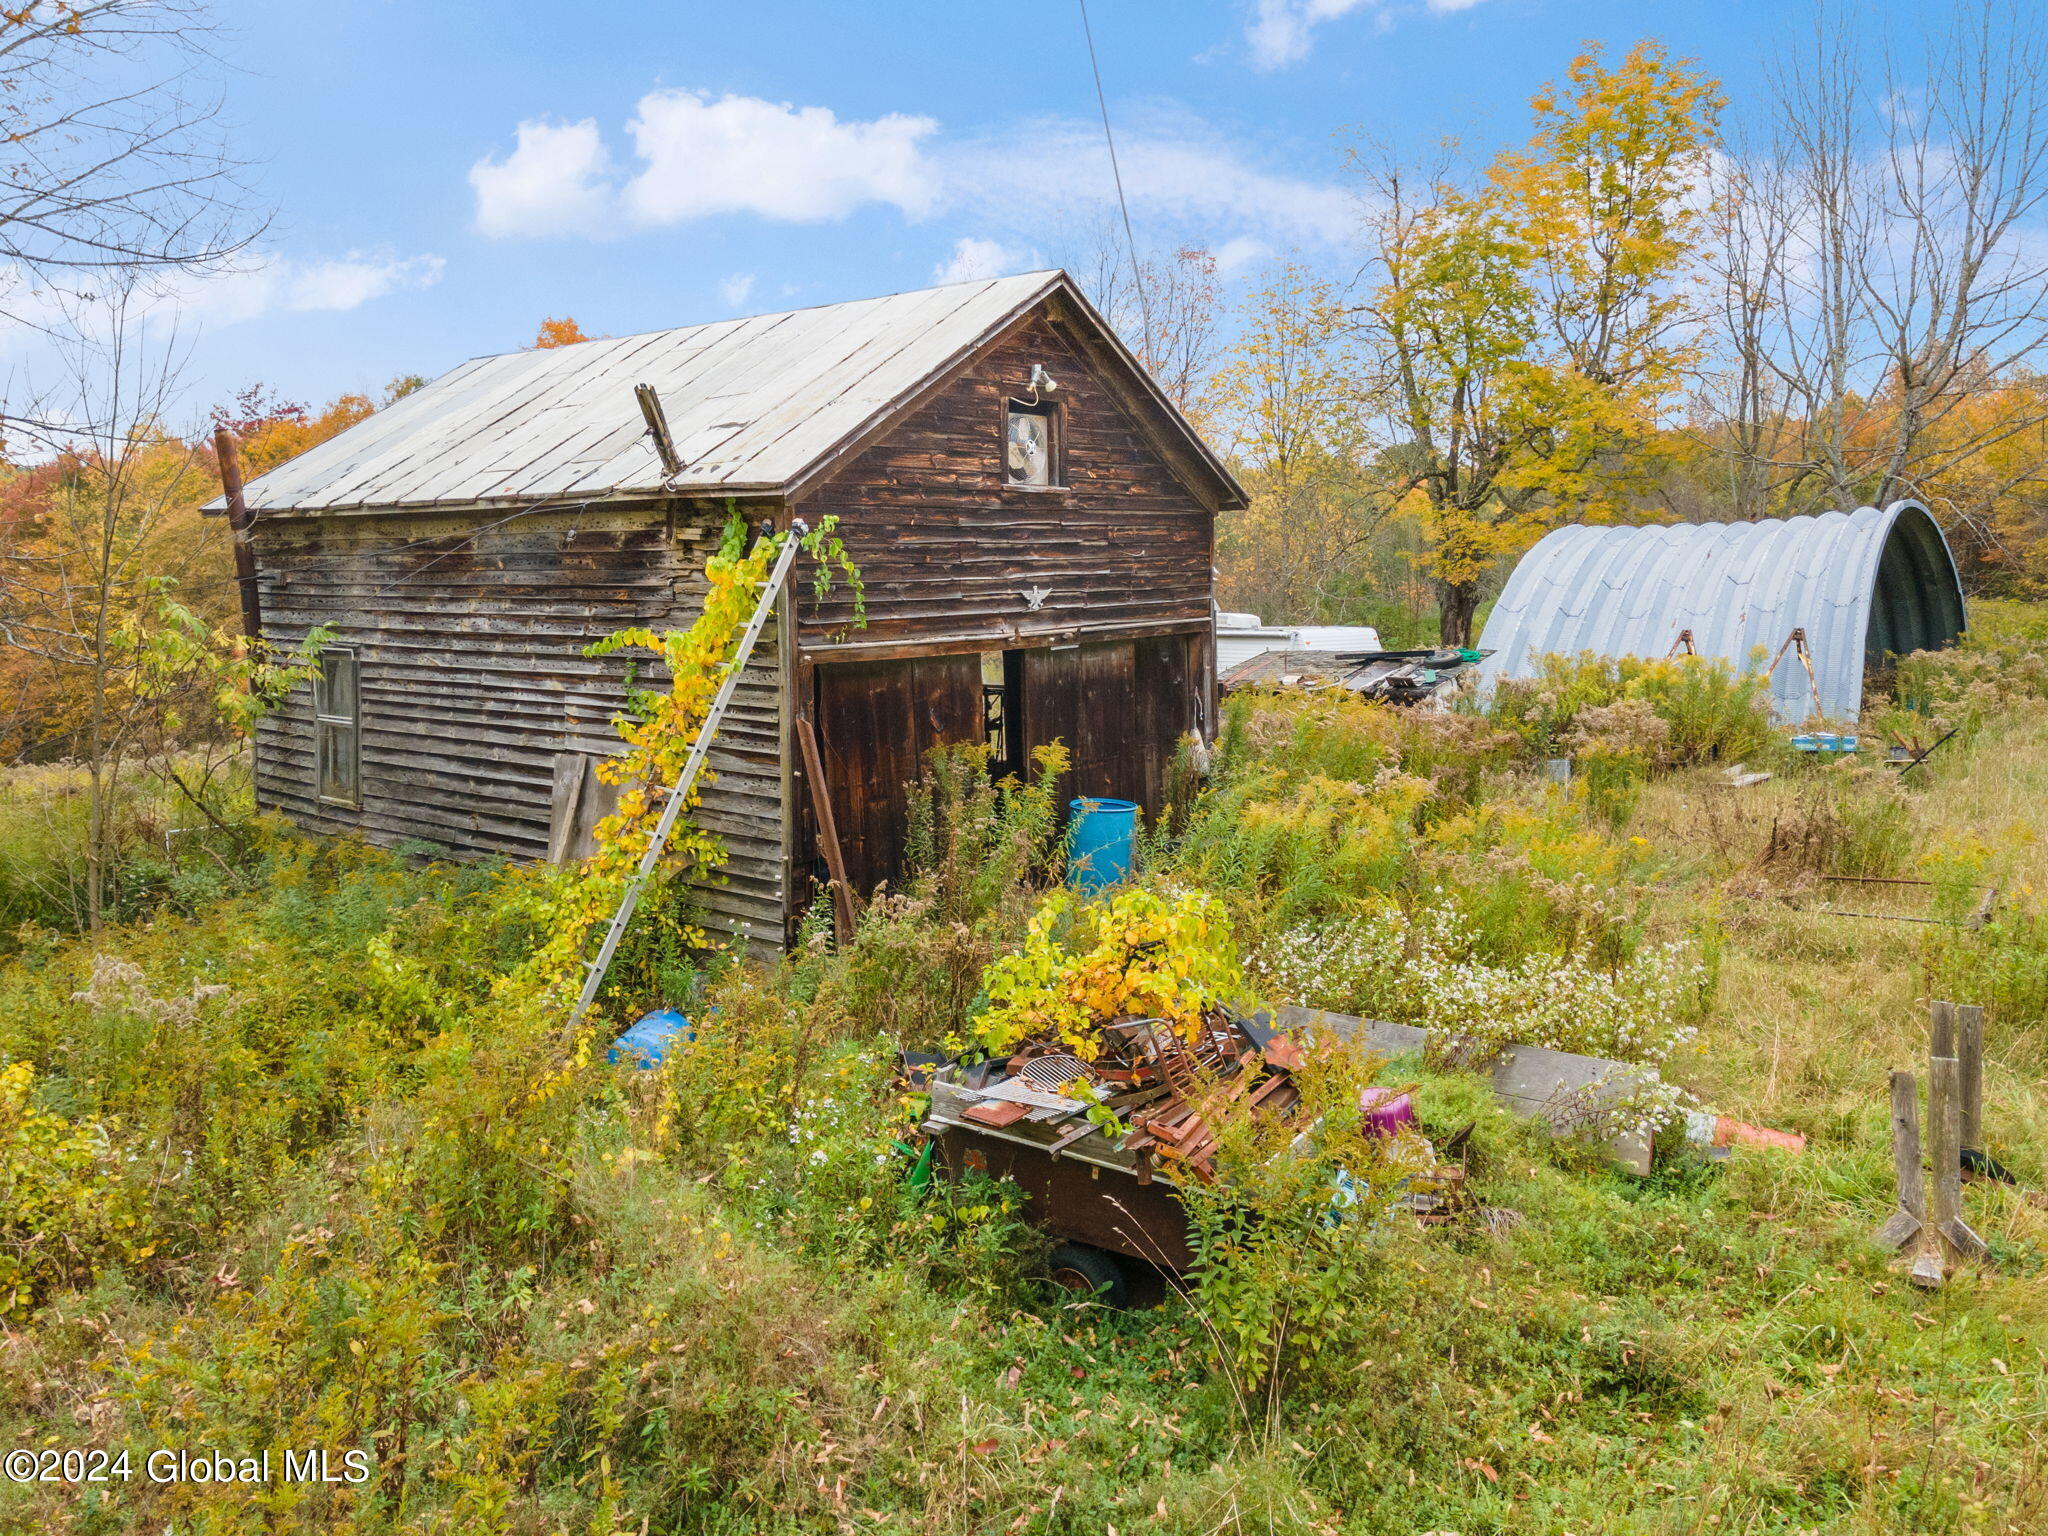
[
  {"x": 949, "y": 551},
  {"x": 474, "y": 679},
  {"x": 1104, "y": 584},
  {"x": 1120, "y": 707}
]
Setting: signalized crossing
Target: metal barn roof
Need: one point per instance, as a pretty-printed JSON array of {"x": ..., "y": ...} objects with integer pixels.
[
  {"x": 1861, "y": 584},
  {"x": 752, "y": 404}
]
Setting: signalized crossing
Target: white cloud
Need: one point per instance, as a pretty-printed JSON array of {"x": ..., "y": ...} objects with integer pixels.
[
  {"x": 1182, "y": 178},
  {"x": 556, "y": 181},
  {"x": 739, "y": 154},
  {"x": 737, "y": 289},
  {"x": 34, "y": 318},
  {"x": 285, "y": 284},
  {"x": 694, "y": 155},
  {"x": 698, "y": 155},
  {"x": 1280, "y": 32},
  {"x": 974, "y": 258},
  {"x": 354, "y": 280},
  {"x": 1235, "y": 255}
]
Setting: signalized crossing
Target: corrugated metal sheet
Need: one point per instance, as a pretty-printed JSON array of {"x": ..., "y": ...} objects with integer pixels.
[
  {"x": 1860, "y": 584},
  {"x": 751, "y": 404},
  {"x": 1240, "y": 637}
]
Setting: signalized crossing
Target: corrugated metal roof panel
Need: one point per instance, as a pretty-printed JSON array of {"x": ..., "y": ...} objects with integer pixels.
[
  {"x": 1740, "y": 588},
  {"x": 751, "y": 403}
]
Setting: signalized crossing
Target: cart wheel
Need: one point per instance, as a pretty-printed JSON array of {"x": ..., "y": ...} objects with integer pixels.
[{"x": 1089, "y": 1272}]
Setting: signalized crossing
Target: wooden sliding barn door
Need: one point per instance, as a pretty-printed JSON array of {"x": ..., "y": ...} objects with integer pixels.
[
  {"x": 1120, "y": 707},
  {"x": 876, "y": 720}
]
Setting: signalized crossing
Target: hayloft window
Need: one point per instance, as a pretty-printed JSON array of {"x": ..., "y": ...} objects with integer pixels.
[
  {"x": 1031, "y": 445},
  {"x": 338, "y": 730}
]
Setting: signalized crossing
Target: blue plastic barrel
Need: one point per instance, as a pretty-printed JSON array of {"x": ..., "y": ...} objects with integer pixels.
[
  {"x": 652, "y": 1036},
  {"x": 1099, "y": 854}
]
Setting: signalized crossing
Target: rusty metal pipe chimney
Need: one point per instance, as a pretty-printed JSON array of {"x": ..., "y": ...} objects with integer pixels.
[{"x": 239, "y": 522}]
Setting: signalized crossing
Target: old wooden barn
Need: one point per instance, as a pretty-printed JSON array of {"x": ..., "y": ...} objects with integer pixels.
[{"x": 1033, "y": 519}]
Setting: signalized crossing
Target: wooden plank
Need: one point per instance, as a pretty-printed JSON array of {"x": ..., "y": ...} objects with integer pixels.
[
  {"x": 1945, "y": 1153},
  {"x": 1941, "y": 1028},
  {"x": 828, "y": 828},
  {"x": 1909, "y": 1216},
  {"x": 1970, "y": 1066}
]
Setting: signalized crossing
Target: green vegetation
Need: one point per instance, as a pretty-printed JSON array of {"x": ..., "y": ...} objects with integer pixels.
[{"x": 282, "y": 1164}]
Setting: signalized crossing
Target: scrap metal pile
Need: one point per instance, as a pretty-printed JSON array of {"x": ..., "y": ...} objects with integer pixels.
[
  {"x": 1155, "y": 1094},
  {"x": 1392, "y": 677},
  {"x": 1085, "y": 1141}
]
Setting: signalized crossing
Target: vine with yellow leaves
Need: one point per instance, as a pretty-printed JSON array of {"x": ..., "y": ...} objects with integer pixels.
[{"x": 659, "y": 731}]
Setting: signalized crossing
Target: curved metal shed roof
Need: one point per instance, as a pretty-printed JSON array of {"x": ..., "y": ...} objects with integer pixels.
[{"x": 1861, "y": 584}]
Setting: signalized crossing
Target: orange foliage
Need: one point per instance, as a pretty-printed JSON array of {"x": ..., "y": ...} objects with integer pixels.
[
  {"x": 564, "y": 332},
  {"x": 286, "y": 437},
  {"x": 56, "y": 561}
]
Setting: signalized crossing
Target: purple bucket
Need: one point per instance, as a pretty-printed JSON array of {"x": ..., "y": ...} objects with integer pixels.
[{"x": 1384, "y": 1111}]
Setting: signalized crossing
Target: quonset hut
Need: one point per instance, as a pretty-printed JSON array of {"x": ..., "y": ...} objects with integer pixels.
[
  {"x": 1034, "y": 522},
  {"x": 1858, "y": 587}
]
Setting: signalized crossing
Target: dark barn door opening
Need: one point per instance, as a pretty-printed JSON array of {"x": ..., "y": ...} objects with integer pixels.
[{"x": 1120, "y": 706}]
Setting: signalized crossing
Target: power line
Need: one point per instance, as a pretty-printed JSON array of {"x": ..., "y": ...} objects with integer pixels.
[{"x": 1116, "y": 172}]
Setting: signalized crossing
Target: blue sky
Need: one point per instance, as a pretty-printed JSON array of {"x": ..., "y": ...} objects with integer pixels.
[{"x": 444, "y": 173}]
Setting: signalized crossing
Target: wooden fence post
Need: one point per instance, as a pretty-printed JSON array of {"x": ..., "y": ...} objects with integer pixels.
[
  {"x": 1909, "y": 1217},
  {"x": 1945, "y": 1153},
  {"x": 1970, "y": 1061},
  {"x": 1941, "y": 1033}
]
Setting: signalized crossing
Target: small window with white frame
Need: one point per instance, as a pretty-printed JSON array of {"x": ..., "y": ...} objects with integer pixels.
[
  {"x": 1031, "y": 445},
  {"x": 338, "y": 729}
]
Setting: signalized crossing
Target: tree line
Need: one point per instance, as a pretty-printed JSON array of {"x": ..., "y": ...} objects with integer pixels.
[{"x": 1647, "y": 311}]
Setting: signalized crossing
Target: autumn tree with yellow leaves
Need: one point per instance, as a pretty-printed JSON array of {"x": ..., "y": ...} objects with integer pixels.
[
  {"x": 1524, "y": 332},
  {"x": 1289, "y": 411},
  {"x": 120, "y": 639}
]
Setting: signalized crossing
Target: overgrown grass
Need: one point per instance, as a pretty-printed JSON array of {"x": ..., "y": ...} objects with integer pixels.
[
  {"x": 167, "y": 852},
  {"x": 328, "y": 1188}
]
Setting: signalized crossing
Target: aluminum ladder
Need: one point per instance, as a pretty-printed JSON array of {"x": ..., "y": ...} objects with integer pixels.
[{"x": 594, "y": 971}]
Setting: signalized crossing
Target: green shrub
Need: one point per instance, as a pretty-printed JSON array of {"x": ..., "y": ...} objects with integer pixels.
[
  {"x": 1712, "y": 712},
  {"x": 167, "y": 853},
  {"x": 67, "y": 1205},
  {"x": 1287, "y": 1234}
]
